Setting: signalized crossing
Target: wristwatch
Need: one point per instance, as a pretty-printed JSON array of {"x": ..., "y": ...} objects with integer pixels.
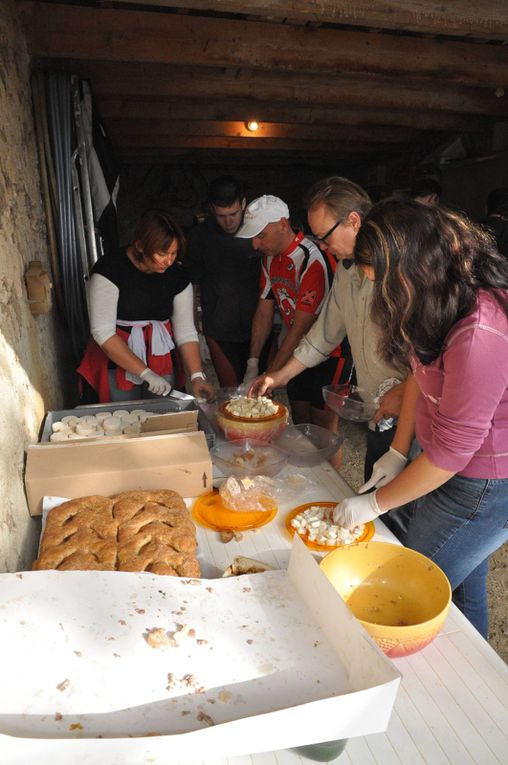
[{"x": 197, "y": 375}]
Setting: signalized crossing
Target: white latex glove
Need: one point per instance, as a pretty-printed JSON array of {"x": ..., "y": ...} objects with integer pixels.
[
  {"x": 252, "y": 370},
  {"x": 354, "y": 511},
  {"x": 385, "y": 470},
  {"x": 156, "y": 384}
]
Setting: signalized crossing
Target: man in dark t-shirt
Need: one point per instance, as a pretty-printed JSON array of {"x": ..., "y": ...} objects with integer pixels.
[{"x": 227, "y": 271}]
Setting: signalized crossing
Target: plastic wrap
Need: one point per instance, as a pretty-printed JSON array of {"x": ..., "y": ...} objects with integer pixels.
[{"x": 262, "y": 493}]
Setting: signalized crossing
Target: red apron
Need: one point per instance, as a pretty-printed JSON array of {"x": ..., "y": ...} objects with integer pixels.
[{"x": 94, "y": 366}]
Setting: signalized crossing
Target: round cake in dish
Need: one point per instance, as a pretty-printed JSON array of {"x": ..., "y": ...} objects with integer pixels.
[{"x": 258, "y": 418}]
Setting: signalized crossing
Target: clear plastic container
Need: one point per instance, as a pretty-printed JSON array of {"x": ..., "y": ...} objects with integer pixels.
[
  {"x": 308, "y": 445},
  {"x": 248, "y": 457},
  {"x": 350, "y": 402}
]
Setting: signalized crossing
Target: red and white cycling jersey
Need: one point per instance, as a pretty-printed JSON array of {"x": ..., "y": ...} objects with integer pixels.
[{"x": 298, "y": 279}]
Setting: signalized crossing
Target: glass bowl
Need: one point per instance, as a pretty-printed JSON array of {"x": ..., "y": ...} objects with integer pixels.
[
  {"x": 400, "y": 596},
  {"x": 248, "y": 457},
  {"x": 308, "y": 445},
  {"x": 350, "y": 402},
  {"x": 259, "y": 429}
]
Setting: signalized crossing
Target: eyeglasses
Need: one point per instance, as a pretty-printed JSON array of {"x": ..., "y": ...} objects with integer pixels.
[{"x": 328, "y": 233}]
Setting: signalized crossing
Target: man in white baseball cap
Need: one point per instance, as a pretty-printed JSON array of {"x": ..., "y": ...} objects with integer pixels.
[
  {"x": 260, "y": 213},
  {"x": 295, "y": 277}
]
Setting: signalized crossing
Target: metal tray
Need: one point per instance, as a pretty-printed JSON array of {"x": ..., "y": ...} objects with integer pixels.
[{"x": 183, "y": 403}]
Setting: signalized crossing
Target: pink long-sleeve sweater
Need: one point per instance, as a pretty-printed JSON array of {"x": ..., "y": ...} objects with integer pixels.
[{"x": 462, "y": 412}]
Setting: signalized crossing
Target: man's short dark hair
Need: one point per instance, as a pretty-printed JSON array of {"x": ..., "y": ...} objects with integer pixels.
[
  {"x": 226, "y": 190},
  {"x": 497, "y": 202},
  {"x": 424, "y": 187}
]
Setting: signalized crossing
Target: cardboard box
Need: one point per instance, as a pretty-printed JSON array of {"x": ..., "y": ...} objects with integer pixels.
[
  {"x": 108, "y": 466},
  {"x": 285, "y": 664}
]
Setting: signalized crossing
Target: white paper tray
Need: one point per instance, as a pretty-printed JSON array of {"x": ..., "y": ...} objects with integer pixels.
[{"x": 285, "y": 664}]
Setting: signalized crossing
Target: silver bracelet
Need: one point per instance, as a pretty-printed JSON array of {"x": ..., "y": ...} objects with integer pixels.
[{"x": 195, "y": 376}]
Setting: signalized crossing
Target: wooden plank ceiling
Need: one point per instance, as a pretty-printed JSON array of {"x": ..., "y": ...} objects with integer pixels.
[{"x": 326, "y": 80}]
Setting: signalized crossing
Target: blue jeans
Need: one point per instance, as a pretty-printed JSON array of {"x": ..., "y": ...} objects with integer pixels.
[
  {"x": 458, "y": 526},
  {"x": 136, "y": 393}
]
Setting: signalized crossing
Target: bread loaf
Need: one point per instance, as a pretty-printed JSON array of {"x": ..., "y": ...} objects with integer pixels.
[{"x": 133, "y": 531}]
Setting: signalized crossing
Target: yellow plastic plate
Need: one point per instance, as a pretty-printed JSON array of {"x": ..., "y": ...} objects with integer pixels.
[
  {"x": 209, "y": 512},
  {"x": 367, "y": 533}
]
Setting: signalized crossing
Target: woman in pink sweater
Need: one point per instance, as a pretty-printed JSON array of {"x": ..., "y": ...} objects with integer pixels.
[{"x": 441, "y": 302}]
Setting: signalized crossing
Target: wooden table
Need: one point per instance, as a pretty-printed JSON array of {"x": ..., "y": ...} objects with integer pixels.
[{"x": 452, "y": 705}]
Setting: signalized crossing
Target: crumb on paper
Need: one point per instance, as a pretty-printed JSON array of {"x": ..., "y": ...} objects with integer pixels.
[
  {"x": 75, "y": 726},
  {"x": 19, "y": 576},
  {"x": 185, "y": 712},
  {"x": 246, "y": 589},
  {"x": 225, "y": 696},
  {"x": 117, "y": 655},
  {"x": 63, "y": 685},
  {"x": 122, "y": 622},
  {"x": 209, "y": 589},
  {"x": 58, "y": 716},
  {"x": 316, "y": 643},
  {"x": 191, "y": 581},
  {"x": 181, "y": 632},
  {"x": 156, "y": 637},
  {"x": 238, "y": 536},
  {"x": 211, "y": 701},
  {"x": 250, "y": 641},
  {"x": 201, "y": 641},
  {"x": 110, "y": 638},
  {"x": 139, "y": 610},
  {"x": 78, "y": 653},
  {"x": 187, "y": 681},
  {"x": 203, "y": 717},
  {"x": 226, "y": 536}
]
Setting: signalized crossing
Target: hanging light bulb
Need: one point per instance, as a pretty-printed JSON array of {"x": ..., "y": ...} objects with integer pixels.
[{"x": 252, "y": 125}]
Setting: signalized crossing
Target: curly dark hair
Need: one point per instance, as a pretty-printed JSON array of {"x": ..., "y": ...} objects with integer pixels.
[{"x": 429, "y": 264}]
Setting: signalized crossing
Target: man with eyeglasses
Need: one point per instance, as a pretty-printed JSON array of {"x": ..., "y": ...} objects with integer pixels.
[
  {"x": 227, "y": 271},
  {"x": 335, "y": 209},
  {"x": 296, "y": 278}
]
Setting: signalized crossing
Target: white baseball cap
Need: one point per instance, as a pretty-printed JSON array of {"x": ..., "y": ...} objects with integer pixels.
[{"x": 260, "y": 213}]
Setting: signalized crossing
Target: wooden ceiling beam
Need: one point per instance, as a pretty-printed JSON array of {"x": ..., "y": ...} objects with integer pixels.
[
  {"x": 147, "y": 81},
  {"x": 238, "y": 109},
  {"x": 461, "y": 17},
  {"x": 169, "y": 141},
  {"x": 330, "y": 162},
  {"x": 143, "y": 36},
  {"x": 273, "y": 130}
]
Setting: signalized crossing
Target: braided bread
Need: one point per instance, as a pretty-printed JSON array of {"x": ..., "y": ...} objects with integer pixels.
[{"x": 133, "y": 531}]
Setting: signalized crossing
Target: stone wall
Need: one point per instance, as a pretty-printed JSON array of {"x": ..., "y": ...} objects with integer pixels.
[{"x": 32, "y": 358}]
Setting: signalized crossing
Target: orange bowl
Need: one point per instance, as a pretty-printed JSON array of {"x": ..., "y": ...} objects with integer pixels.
[
  {"x": 400, "y": 596},
  {"x": 258, "y": 429}
]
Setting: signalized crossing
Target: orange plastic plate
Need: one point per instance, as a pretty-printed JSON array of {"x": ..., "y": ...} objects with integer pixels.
[
  {"x": 209, "y": 512},
  {"x": 367, "y": 533}
]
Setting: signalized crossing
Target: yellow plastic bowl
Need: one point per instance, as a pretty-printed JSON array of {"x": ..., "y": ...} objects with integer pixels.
[
  {"x": 258, "y": 429},
  {"x": 400, "y": 596}
]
